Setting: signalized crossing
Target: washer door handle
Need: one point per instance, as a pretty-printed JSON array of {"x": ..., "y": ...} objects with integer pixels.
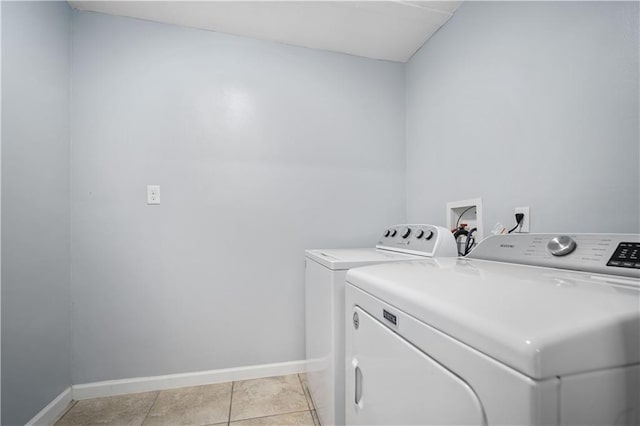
[{"x": 358, "y": 395}]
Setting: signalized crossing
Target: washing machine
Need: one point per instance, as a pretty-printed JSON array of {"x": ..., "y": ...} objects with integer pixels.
[
  {"x": 325, "y": 272},
  {"x": 526, "y": 330}
]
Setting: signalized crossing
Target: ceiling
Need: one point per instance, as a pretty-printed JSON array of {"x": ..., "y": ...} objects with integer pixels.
[{"x": 391, "y": 30}]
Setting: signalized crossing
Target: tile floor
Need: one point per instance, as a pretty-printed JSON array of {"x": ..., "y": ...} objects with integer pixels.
[{"x": 282, "y": 400}]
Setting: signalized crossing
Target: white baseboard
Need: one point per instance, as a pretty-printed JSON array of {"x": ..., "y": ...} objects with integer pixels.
[
  {"x": 49, "y": 414},
  {"x": 169, "y": 381}
]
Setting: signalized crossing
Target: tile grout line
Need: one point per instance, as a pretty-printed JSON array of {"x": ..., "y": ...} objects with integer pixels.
[
  {"x": 315, "y": 418},
  {"x": 304, "y": 392},
  {"x": 230, "y": 403},
  {"x": 69, "y": 408},
  {"x": 312, "y": 410},
  {"x": 274, "y": 415},
  {"x": 150, "y": 408}
]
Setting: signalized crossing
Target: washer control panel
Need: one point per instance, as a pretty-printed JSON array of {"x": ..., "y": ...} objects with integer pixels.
[
  {"x": 627, "y": 255},
  {"x": 614, "y": 254},
  {"x": 420, "y": 239},
  {"x": 561, "y": 245}
]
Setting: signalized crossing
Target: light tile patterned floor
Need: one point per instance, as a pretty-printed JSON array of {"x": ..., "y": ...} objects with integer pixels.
[{"x": 282, "y": 400}]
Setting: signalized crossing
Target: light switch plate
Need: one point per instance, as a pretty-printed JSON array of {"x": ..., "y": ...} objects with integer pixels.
[{"x": 153, "y": 194}]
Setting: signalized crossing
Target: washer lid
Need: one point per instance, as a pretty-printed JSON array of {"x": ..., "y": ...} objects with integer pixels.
[
  {"x": 542, "y": 322},
  {"x": 342, "y": 259}
]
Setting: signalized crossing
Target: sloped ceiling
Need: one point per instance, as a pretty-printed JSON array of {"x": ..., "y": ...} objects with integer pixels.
[{"x": 390, "y": 30}]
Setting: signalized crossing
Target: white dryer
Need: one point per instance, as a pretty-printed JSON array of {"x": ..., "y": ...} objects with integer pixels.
[
  {"x": 325, "y": 272},
  {"x": 527, "y": 330}
]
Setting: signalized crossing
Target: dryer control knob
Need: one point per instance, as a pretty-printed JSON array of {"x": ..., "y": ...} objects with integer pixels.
[
  {"x": 561, "y": 245},
  {"x": 406, "y": 232}
]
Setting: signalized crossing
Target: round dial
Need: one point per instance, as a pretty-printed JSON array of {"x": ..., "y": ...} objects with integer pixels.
[
  {"x": 420, "y": 234},
  {"x": 429, "y": 235},
  {"x": 406, "y": 232},
  {"x": 387, "y": 233},
  {"x": 561, "y": 245},
  {"x": 394, "y": 232}
]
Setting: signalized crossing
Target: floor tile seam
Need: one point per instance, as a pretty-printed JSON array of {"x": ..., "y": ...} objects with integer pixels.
[
  {"x": 151, "y": 407},
  {"x": 247, "y": 390},
  {"x": 312, "y": 404},
  {"x": 314, "y": 416},
  {"x": 265, "y": 377},
  {"x": 270, "y": 415},
  {"x": 304, "y": 392},
  {"x": 69, "y": 408},
  {"x": 230, "y": 402}
]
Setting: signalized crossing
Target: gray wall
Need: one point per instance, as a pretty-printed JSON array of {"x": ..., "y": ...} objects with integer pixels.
[
  {"x": 539, "y": 101},
  {"x": 261, "y": 150},
  {"x": 35, "y": 206}
]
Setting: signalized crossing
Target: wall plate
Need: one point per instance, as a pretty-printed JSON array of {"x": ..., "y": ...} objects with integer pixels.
[
  {"x": 153, "y": 194},
  {"x": 471, "y": 211}
]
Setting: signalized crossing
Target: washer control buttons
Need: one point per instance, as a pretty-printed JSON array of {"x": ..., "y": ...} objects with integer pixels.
[
  {"x": 406, "y": 232},
  {"x": 387, "y": 233},
  {"x": 626, "y": 255},
  {"x": 561, "y": 245},
  {"x": 429, "y": 235},
  {"x": 394, "y": 232},
  {"x": 420, "y": 234}
]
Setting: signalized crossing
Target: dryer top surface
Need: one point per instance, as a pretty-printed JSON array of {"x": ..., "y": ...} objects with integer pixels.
[{"x": 541, "y": 321}]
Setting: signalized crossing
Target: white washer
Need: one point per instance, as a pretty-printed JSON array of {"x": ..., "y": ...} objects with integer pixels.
[
  {"x": 527, "y": 330},
  {"x": 325, "y": 272}
]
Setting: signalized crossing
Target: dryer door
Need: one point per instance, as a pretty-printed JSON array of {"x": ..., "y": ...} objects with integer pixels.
[{"x": 391, "y": 382}]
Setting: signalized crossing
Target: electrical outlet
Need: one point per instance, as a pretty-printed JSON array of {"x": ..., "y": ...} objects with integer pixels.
[
  {"x": 153, "y": 194},
  {"x": 525, "y": 225}
]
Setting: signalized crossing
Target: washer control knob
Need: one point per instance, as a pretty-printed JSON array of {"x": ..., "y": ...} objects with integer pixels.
[
  {"x": 387, "y": 233},
  {"x": 420, "y": 234},
  {"x": 406, "y": 232},
  {"x": 394, "y": 232},
  {"x": 561, "y": 245},
  {"x": 429, "y": 235}
]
